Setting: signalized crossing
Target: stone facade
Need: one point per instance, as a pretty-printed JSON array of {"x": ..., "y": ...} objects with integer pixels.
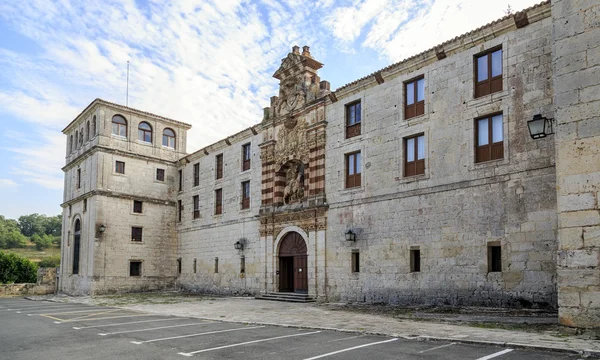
[{"x": 268, "y": 209}]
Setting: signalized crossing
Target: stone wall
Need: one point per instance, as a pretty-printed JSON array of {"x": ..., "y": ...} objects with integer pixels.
[
  {"x": 576, "y": 60},
  {"x": 458, "y": 207},
  {"x": 46, "y": 284}
]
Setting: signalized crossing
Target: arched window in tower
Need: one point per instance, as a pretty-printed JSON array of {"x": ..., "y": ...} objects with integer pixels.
[
  {"x": 169, "y": 138},
  {"x": 81, "y": 137},
  {"x": 145, "y": 132},
  {"x": 76, "y": 145},
  {"x": 119, "y": 126},
  {"x": 87, "y": 132},
  {"x": 94, "y": 126},
  {"x": 76, "y": 246},
  {"x": 71, "y": 144}
]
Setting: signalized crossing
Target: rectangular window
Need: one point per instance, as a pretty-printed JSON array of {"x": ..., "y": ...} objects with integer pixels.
[
  {"x": 76, "y": 246},
  {"x": 195, "y": 268},
  {"x": 355, "y": 261},
  {"x": 84, "y": 205},
  {"x": 414, "y": 98},
  {"x": 136, "y": 234},
  {"x": 135, "y": 268},
  {"x": 488, "y": 73},
  {"x": 179, "y": 210},
  {"x": 120, "y": 167},
  {"x": 494, "y": 258},
  {"x": 353, "y": 119},
  {"x": 414, "y": 155},
  {"x": 179, "y": 265},
  {"x": 160, "y": 174},
  {"x": 246, "y": 157},
  {"x": 415, "y": 260},
  {"x": 353, "y": 170},
  {"x": 180, "y": 180},
  {"x": 197, "y": 174},
  {"x": 489, "y": 138},
  {"x": 242, "y": 264},
  {"x": 78, "y": 178},
  {"x": 218, "y": 201},
  {"x": 246, "y": 195},
  {"x": 216, "y": 265},
  {"x": 196, "y": 200},
  {"x": 137, "y": 206},
  {"x": 219, "y": 171}
]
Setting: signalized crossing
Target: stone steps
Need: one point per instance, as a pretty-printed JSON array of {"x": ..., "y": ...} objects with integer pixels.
[{"x": 287, "y": 297}]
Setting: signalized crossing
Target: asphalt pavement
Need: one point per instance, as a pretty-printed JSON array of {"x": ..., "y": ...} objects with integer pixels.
[{"x": 48, "y": 330}]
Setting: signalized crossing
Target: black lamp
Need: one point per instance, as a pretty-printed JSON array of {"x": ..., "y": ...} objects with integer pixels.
[{"x": 539, "y": 127}]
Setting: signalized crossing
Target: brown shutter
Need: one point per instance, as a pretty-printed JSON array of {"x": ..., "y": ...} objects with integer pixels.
[{"x": 420, "y": 108}]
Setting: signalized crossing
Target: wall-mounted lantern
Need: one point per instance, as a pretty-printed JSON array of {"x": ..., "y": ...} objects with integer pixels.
[
  {"x": 239, "y": 245},
  {"x": 539, "y": 126},
  {"x": 350, "y": 235},
  {"x": 101, "y": 228}
]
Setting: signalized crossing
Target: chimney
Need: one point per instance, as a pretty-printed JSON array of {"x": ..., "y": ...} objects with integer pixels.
[
  {"x": 296, "y": 49},
  {"x": 306, "y": 51}
]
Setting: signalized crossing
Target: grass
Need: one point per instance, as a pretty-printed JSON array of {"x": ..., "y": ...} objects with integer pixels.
[{"x": 34, "y": 254}]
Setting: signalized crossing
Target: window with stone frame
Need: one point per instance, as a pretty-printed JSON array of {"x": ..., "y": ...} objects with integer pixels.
[
  {"x": 353, "y": 119},
  {"x": 494, "y": 257},
  {"x": 414, "y": 155},
  {"x": 119, "y": 126},
  {"x": 145, "y": 132},
  {"x": 196, "y": 201},
  {"x": 353, "y": 169},
  {"x": 179, "y": 210},
  {"x": 246, "y": 155},
  {"x": 138, "y": 206},
  {"x": 246, "y": 195},
  {"x": 160, "y": 174},
  {"x": 180, "y": 180},
  {"x": 168, "y": 139},
  {"x": 196, "y": 174},
  {"x": 355, "y": 261},
  {"x": 135, "y": 268},
  {"x": 120, "y": 167},
  {"x": 218, "y": 201},
  {"x": 488, "y": 72},
  {"x": 414, "y": 97},
  {"x": 136, "y": 233},
  {"x": 489, "y": 138},
  {"x": 219, "y": 166},
  {"x": 415, "y": 260},
  {"x": 78, "y": 178}
]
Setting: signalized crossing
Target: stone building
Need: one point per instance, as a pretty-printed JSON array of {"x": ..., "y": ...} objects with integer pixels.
[{"x": 417, "y": 184}]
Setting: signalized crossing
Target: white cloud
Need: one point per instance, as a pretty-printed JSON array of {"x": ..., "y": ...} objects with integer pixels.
[{"x": 7, "y": 184}]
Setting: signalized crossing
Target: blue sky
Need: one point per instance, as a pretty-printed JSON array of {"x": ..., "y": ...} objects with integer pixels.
[{"x": 205, "y": 62}]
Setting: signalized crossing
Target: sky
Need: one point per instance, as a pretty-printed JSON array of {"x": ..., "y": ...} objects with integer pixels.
[{"x": 205, "y": 62}]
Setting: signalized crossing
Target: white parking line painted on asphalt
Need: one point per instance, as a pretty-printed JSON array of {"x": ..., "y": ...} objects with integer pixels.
[
  {"x": 499, "y": 353},
  {"x": 156, "y": 328},
  {"x": 72, "y": 312},
  {"x": 350, "y": 349},
  {"x": 346, "y": 338},
  {"x": 43, "y": 311},
  {"x": 437, "y": 347},
  {"x": 246, "y": 343},
  {"x": 200, "y": 334},
  {"x": 126, "y": 323},
  {"x": 102, "y": 318}
]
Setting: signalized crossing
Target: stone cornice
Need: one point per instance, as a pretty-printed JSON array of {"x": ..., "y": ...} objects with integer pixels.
[
  {"x": 116, "y": 194},
  {"x": 108, "y": 150}
]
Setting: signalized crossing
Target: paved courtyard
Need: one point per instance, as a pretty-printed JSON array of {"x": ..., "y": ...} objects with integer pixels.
[{"x": 50, "y": 330}]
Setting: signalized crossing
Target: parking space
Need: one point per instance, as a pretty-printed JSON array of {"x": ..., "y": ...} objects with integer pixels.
[{"x": 29, "y": 329}]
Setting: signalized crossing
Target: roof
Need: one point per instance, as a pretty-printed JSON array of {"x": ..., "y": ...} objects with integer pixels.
[
  {"x": 123, "y": 107},
  {"x": 433, "y": 49}
]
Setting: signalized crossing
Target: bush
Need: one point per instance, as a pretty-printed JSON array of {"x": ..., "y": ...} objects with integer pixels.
[
  {"x": 15, "y": 239},
  {"x": 16, "y": 269},
  {"x": 42, "y": 242},
  {"x": 50, "y": 261}
]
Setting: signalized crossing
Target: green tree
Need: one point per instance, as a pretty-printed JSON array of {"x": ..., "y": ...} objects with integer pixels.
[
  {"x": 16, "y": 269},
  {"x": 42, "y": 241},
  {"x": 32, "y": 224},
  {"x": 14, "y": 239}
]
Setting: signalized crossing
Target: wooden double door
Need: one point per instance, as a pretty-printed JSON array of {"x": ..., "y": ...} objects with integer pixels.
[{"x": 293, "y": 274}]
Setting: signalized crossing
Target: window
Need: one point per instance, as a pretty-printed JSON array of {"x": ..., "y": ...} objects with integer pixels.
[
  {"x": 179, "y": 210},
  {"x": 246, "y": 157},
  {"x": 135, "y": 268},
  {"x": 120, "y": 167},
  {"x": 136, "y": 234},
  {"x": 160, "y": 174},
  {"x": 78, "y": 178},
  {"x": 415, "y": 260},
  {"x": 488, "y": 73},
  {"x": 145, "y": 132},
  {"x": 355, "y": 261},
  {"x": 94, "y": 126},
  {"x": 81, "y": 137},
  {"x": 180, "y": 180},
  {"x": 76, "y": 140},
  {"x": 137, "y": 206},
  {"x": 87, "y": 132},
  {"x": 70, "y": 209},
  {"x": 196, "y": 200},
  {"x": 414, "y": 98},
  {"x": 489, "y": 138},
  {"x": 353, "y": 171},
  {"x": 169, "y": 138},
  {"x": 84, "y": 205},
  {"x": 197, "y": 174},
  {"x": 71, "y": 144},
  {"x": 246, "y": 195},
  {"x": 195, "y": 266},
  {"x": 218, "y": 201},
  {"x": 179, "y": 265},
  {"x": 216, "y": 265},
  {"x": 242, "y": 264},
  {"x": 119, "y": 126},
  {"x": 219, "y": 159},
  {"x": 76, "y": 245},
  {"x": 414, "y": 155},
  {"x": 352, "y": 119},
  {"x": 494, "y": 257}
]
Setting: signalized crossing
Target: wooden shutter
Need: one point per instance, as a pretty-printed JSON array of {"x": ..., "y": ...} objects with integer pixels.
[
  {"x": 219, "y": 166},
  {"x": 219, "y": 201}
]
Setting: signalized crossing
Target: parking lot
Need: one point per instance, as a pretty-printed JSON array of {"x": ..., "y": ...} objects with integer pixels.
[{"x": 47, "y": 330}]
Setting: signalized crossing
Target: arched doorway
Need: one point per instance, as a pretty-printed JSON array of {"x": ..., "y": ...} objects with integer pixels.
[
  {"x": 293, "y": 275},
  {"x": 76, "y": 247}
]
